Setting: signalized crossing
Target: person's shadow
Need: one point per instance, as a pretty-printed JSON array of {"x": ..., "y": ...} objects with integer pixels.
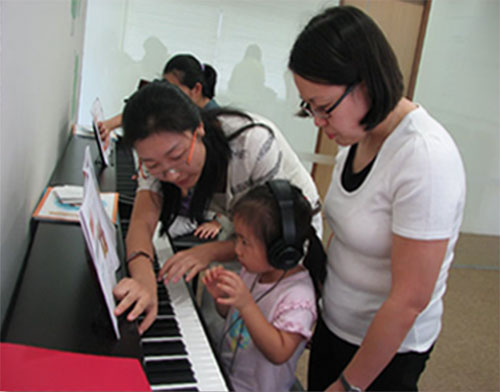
[{"x": 246, "y": 87}]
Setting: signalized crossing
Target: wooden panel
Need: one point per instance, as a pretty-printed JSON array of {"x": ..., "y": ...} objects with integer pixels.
[{"x": 400, "y": 21}]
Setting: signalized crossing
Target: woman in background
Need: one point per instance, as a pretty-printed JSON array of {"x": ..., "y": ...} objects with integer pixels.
[
  {"x": 395, "y": 205},
  {"x": 195, "y": 79}
]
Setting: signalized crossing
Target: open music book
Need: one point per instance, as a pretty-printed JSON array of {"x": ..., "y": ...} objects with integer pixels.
[{"x": 100, "y": 236}]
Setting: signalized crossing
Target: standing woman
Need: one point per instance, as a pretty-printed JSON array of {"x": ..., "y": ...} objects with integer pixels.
[{"x": 395, "y": 206}]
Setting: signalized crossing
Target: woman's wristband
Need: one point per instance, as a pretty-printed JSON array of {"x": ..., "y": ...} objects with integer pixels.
[{"x": 139, "y": 253}]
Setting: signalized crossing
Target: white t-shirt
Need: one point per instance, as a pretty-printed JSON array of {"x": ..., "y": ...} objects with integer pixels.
[
  {"x": 290, "y": 306},
  {"x": 257, "y": 156},
  {"x": 416, "y": 189}
]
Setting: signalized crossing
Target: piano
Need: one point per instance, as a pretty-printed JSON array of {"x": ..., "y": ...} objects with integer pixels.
[{"x": 58, "y": 304}]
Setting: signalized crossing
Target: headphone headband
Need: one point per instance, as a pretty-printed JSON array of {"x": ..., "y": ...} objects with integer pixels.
[
  {"x": 284, "y": 253},
  {"x": 282, "y": 192}
]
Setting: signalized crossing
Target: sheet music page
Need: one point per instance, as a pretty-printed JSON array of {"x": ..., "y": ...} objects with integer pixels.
[
  {"x": 98, "y": 115},
  {"x": 100, "y": 236}
]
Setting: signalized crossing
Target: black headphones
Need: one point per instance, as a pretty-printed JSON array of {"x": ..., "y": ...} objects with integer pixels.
[{"x": 283, "y": 253}]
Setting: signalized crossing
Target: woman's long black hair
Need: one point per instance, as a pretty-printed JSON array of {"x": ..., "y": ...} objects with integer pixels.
[{"x": 161, "y": 107}]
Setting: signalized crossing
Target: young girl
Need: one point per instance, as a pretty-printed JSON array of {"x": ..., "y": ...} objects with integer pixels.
[{"x": 270, "y": 307}]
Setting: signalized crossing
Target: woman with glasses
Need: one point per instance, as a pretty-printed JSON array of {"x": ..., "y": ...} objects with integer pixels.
[
  {"x": 395, "y": 205},
  {"x": 218, "y": 155}
]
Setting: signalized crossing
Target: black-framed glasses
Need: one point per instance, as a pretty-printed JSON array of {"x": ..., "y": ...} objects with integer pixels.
[{"x": 307, "y": 111}]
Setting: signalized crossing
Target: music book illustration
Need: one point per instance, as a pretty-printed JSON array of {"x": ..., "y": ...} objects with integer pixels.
[
  {"x": 104, "y": 147},
  {"x": 100, "y": 236}
]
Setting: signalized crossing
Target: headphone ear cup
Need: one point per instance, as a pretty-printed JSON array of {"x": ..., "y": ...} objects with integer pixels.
[{"x": 282, "y": 256}]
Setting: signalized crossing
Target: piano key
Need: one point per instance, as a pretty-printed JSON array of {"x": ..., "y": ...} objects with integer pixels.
[
  {"x": 169, "y": 371},
  {"x": 163, "y": 327},
  {"x": 166, "y": 347},
  {"x": 167, "y": 365}
]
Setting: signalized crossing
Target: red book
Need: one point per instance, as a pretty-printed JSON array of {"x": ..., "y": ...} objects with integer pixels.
[{"x": 26, "y": 368}]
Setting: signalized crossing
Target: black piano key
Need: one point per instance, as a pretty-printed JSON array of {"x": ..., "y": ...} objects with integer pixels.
[
  {"x": 168, "y": 365},
  {"x": 170, "y": 371},
  {"x": 163, "y": 328},
  {"x": 165, "y": 309},
  {"x": 162, "y": 291},
  {"x": 176, "y": 377},
  {"x": 175, "y": 347}
]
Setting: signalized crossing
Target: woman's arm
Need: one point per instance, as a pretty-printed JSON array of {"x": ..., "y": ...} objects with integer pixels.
[
  {"x": 140, "y": 289},
  {"x": 415, "y": 269},
  {"x": 195, "y": 259},
  {"x": 106, "y": 126}
]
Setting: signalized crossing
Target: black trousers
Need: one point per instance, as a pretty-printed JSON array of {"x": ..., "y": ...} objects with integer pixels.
[{"x": 330, "y": 355}]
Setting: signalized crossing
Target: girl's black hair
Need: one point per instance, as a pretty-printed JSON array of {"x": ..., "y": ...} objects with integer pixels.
[
  {"x": 190, "y": 71},
  {"x": 259, "y": 209},
  {"x": 342, "y": 46},
  {"x": 162, "y": 107}
]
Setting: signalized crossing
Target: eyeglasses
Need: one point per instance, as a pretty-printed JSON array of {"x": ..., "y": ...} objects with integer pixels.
[
  {"x": 178, "y": 162},
  {"x": 307, "y": 111}
]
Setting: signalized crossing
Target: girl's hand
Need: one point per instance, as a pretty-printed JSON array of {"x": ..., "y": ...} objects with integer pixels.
[
  {"x": 208, "y": 229},
  {"x": 236, "y": 293},
  {"x": 211, "y": 281}
]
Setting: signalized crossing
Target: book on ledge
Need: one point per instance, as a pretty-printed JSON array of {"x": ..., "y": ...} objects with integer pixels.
[{"x": 54, "y": 204}]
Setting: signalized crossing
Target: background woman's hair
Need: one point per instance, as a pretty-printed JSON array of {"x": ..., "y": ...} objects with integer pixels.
[
  {"x": 158, "y": 107},
  {"x": 190, "y": 71},
  {"x": 342, "y": 45},
  {"x": 260, "y": 210}
]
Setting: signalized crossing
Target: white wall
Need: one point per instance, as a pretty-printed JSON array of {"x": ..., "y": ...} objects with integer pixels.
[
  {"x": 41, "y": 50},
  {"x": 459, "y": 84}
]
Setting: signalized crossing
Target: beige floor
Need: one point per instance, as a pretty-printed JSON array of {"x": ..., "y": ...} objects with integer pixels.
[{"x": 466, "y": 355}]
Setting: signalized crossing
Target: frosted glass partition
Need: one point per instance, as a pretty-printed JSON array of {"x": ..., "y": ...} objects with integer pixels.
[
  {"x": 459, "y": 84},
  {"x": 247, "y": 42}
]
